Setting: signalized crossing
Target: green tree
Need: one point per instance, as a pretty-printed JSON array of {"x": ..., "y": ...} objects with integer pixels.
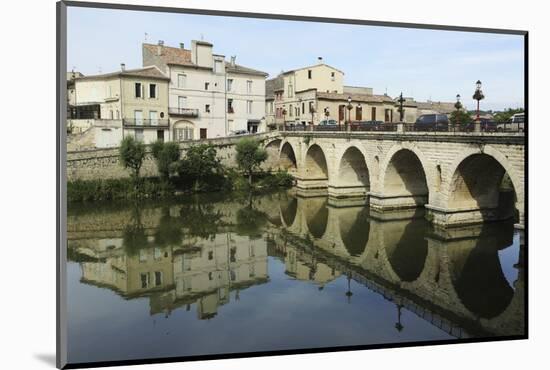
[
  {"x": 507, "y": 114},
  {"x": 250, "y": 156},
  {"x": 460, "y": 117},
  {"x": 166, "y": 156},
  {"x": 132, "y": 154},
  {"x": 200, "y": 163}
]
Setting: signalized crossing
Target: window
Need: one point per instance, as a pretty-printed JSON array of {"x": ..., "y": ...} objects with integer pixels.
[
  {"x": 249, "y": 87},
  {"x": 232, "y": 254},
  {"x": 152, "y": 91},
  {"x": 309, "y": 74},
  {"x": 210, "y": 255},
  {"x": 332, "y": 76},
  {"x": 185, "y": 133},
  {"x": 251, "y": 251},
  {"x": 290, "y": 91},
  {"x": 139, "y": 134},
  {"x": 203, "y": 133},
  {"x": 158, "y": 278},
  {"x": 153, "y": 118},
  {"x": 138, "y": 90},
  {"x": 230, "y": 106},
  {"x": 138, "y": 115},
  {"x": 297, "y": 110},
  {"x": 142, "y": 255},
  {"x": 271, "y": 107},
  {"x": 229, "y": 84},
  {"x": 373, "y": 114},
  {"x": 249, "y": 106},
  {"x": 218, "y": 66},
  {"x": 291, "y": 111},
  {"x": 206, "y": 85},
  {"x": 358, "y": 113},
  {"x": 310, "y": 107},
  {"x": 182, "y": 102},
  {"x": 157, "y": 253},
  {"x": 160, "y": 135},
  {"x": 111, "y": 114},
  {"x": 303, "y": 107},
  {"x": 144, "y": 277},
  {"x": 210, "y": 276},
  {"x": 207, "y": 108},
  {"x": 117, "y": 114},
  {"x": 182, "y": 79}
]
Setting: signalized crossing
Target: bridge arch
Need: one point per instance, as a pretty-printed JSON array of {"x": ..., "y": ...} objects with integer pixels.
[
  {"x": 315, "y": 164},
  {"x": 316, "y": 216},
  {"x": 287, "y": 157},
  {"x": 353, "y": 169},
  {"x": 403, "y": 173},
  {"x": 484, "y": 179},
  {"x": 288, "y": 208}
]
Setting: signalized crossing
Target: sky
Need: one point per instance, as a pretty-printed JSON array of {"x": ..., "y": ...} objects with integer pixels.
[{"x": 424, "y": 64}]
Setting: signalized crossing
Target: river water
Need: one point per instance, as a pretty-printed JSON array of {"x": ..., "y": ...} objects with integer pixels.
[{"x": 233, "y": 273}]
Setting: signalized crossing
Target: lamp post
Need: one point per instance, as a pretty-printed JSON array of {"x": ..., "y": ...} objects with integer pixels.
[
  {"x": 349, "y": 107},
  {"x": 458, "y": 107},
  {"x": 478, "y": 95},
  {"x": 284, "y": 119},
  {"x": 359, "y": 108},
  {"x": 312, "y": 111},
  {"x": 401, "y": 110},
  {"x": 327, "y": 114}
]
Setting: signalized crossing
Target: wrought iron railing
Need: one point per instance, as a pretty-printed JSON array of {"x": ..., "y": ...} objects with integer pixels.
[
  {"x": 143, "y": 122},
  {"x": 184, "y": 112}
]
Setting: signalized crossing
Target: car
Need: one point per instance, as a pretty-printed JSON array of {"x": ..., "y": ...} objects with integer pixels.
[
  {"x": 432, "y": 122},
  {"x": 368, "y": 126},
  {"x": 238, "y": 132},
  {"x": 516, "y": 124},
  {"x": 328, "y": 122}
]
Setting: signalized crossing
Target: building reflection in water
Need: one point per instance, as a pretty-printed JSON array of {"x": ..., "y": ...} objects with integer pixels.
[{"x": 202, "y": 253}]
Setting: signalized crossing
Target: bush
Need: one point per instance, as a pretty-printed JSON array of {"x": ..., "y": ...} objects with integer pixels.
[
  {"x": 200, "y": 169},
  {"x": 132, "y": 154},
  {"x": 166, "y": 156},
  {"x": 250, "y": 156},
  {"x": 114, "y": 189}
]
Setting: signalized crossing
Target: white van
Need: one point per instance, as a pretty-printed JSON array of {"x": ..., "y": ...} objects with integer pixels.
[{"x": 516, "y": 124}]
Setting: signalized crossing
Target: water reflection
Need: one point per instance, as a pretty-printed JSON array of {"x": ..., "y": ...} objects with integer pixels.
[{"x": 203, "y": 253}]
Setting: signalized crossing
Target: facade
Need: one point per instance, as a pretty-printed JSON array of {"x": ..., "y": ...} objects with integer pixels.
[
  {"x": 128, "y": 102},
  {"x": 305, "y": 96},
  {"x": 208, "y": 96}
]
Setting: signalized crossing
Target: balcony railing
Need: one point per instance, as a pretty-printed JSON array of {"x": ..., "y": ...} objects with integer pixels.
[
  {"x": 142, "y": 122},
  {"x": 184, "y": 112}
]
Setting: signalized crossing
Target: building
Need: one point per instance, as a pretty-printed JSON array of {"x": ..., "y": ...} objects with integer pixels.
[
  {"x": 310, "y": 94},
  {"x": 208, "y": 96},
  {"x": 113, "y": 105}
]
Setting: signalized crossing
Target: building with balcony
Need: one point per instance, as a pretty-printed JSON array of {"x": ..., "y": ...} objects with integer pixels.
[
  {"x": 114, "y": 105},
  {"x": 314, "y": 93},
  {"x": 208, "y": 96}
]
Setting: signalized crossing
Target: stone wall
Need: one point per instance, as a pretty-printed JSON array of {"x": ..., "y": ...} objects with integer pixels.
[{"x": 97, "y": 164}]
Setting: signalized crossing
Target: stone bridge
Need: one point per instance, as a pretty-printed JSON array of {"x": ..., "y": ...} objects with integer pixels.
[
  {"x": 460, "y": 178},
  {"x": 452, "y": 277}
]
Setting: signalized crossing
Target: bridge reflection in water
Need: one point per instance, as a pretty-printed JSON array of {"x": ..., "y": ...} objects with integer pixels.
[{"x": 201, "y": 254}]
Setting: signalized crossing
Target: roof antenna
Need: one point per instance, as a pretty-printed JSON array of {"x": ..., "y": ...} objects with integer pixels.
[{"x": 146, "y": 34}]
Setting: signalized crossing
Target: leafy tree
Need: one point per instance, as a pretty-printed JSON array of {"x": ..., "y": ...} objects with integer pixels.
[
  {"x": 200, "y": 163},
  {"x": 250, "y": 156},
  {"x": 132, "y": 154},
  {"x": 507, "y": 114},
  {"x": 460, "y": 117},
  {"x": 166, "y": 156}
]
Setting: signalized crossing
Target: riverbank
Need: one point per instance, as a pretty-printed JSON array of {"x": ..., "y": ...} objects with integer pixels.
[{"x": 157, "y": 188}]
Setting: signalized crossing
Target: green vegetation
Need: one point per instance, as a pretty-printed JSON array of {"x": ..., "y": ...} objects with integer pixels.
[
  {"x": 199, "y": 170},
  {"x": 460, "y": 117},
  {"x": 507, "y": 114},
  {"x": 250, "y": 156}
]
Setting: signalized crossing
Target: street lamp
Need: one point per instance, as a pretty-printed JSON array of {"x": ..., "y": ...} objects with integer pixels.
[
  {"x": 284, "y": 118},
  {"x": 359, "y": 108},
  {"x": 401, "y": 110},
  {"x": 478, "y": 95},
  {"x": 312, "y": 111},
  {"x": 327, "y": 114},
  {"x": 458, "y": 106},
  {"x": 350, "y": 107}
]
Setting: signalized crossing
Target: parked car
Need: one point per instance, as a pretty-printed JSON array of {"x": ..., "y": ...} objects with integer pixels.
[
  {"x": 328, "y": 122},
  {"x": 516, "y": 124},
  {"x": 368, "y": 125},
  {"x": 238, "y": 132},
  {"x": 432, "y": 122}
]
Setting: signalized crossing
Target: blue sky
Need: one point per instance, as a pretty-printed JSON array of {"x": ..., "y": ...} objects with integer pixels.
[{"x": 424, "y": 64}]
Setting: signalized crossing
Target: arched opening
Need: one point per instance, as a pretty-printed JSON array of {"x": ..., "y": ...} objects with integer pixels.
[
  {"x": 354, "y": 230},
  {"x": 287, "y": 159},
  {"x": 406, "y": 247},
  {"x": 316, "y": 163},
  {"x": 481, "y": 182},
  {"x": 289, "y": 207},
  {"x": 477, "y": 272},
  {"x": 316, "y": 216},
  {"x": 183, "y": 130},
  {"x": 353, "y": 169},
  {"x": 405, "y": 176}
]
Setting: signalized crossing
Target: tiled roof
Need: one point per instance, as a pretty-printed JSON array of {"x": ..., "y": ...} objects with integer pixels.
[
  {"x": 236, "y": 68},
  {"x": 151, "y": 72},
  {"x": 171, "y": 55},
  {"x": 356, "y": 97},
  {"x": 272, "y": 85}
]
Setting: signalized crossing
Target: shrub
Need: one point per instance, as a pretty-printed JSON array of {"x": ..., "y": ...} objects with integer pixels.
[
  {"x": 250, "y": 156},
  {"x": 166, "y": 156},
  {"x": 132, "y": 154}
]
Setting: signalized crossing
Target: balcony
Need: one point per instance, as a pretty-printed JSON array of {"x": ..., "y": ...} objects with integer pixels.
[
  {"x": 183, "y": 112},
  {"x": 145, "y": 123}
]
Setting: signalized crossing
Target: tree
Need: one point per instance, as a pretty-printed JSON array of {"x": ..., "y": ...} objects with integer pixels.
[
  {"x": 166, "y": 156},
  {"x": 250, "y": 156},
  {"x": 507, "y": 114},
  {"x": 200, "y": 162},
  {"x": 460, "y": 117},
  {"x": 132, "y": 154}
]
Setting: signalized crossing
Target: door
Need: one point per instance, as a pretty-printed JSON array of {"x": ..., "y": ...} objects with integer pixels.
[
  {"x": 373, "y": 114},
  {"x": 341, "y": 112},
  {"x": 153, "y": 118},
  {"x": 203, "y": 133},
  {"x": 138, "y": 115},
  {"x": 160, "y": 135},
  {"x": 387, "y": 116},
  {"x": 182, "y": 100}
]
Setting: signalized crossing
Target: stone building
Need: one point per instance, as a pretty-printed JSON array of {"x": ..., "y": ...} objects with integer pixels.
[
  {"x": 107, "y": 107},
  {"x": 208, "y": 96}
]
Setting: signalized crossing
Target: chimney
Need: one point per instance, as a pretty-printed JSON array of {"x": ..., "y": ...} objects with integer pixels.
[
  {"x": 182, "y": 45},
  {"x": 320, "y": 60},
  {"x": 159, "y": 47},
  {"x": 233, "y": 60},
  {"x": 122, "y": 67}
]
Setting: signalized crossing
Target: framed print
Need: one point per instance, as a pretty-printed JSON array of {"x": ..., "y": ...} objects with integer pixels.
[{"x": 240, "y": 184}]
